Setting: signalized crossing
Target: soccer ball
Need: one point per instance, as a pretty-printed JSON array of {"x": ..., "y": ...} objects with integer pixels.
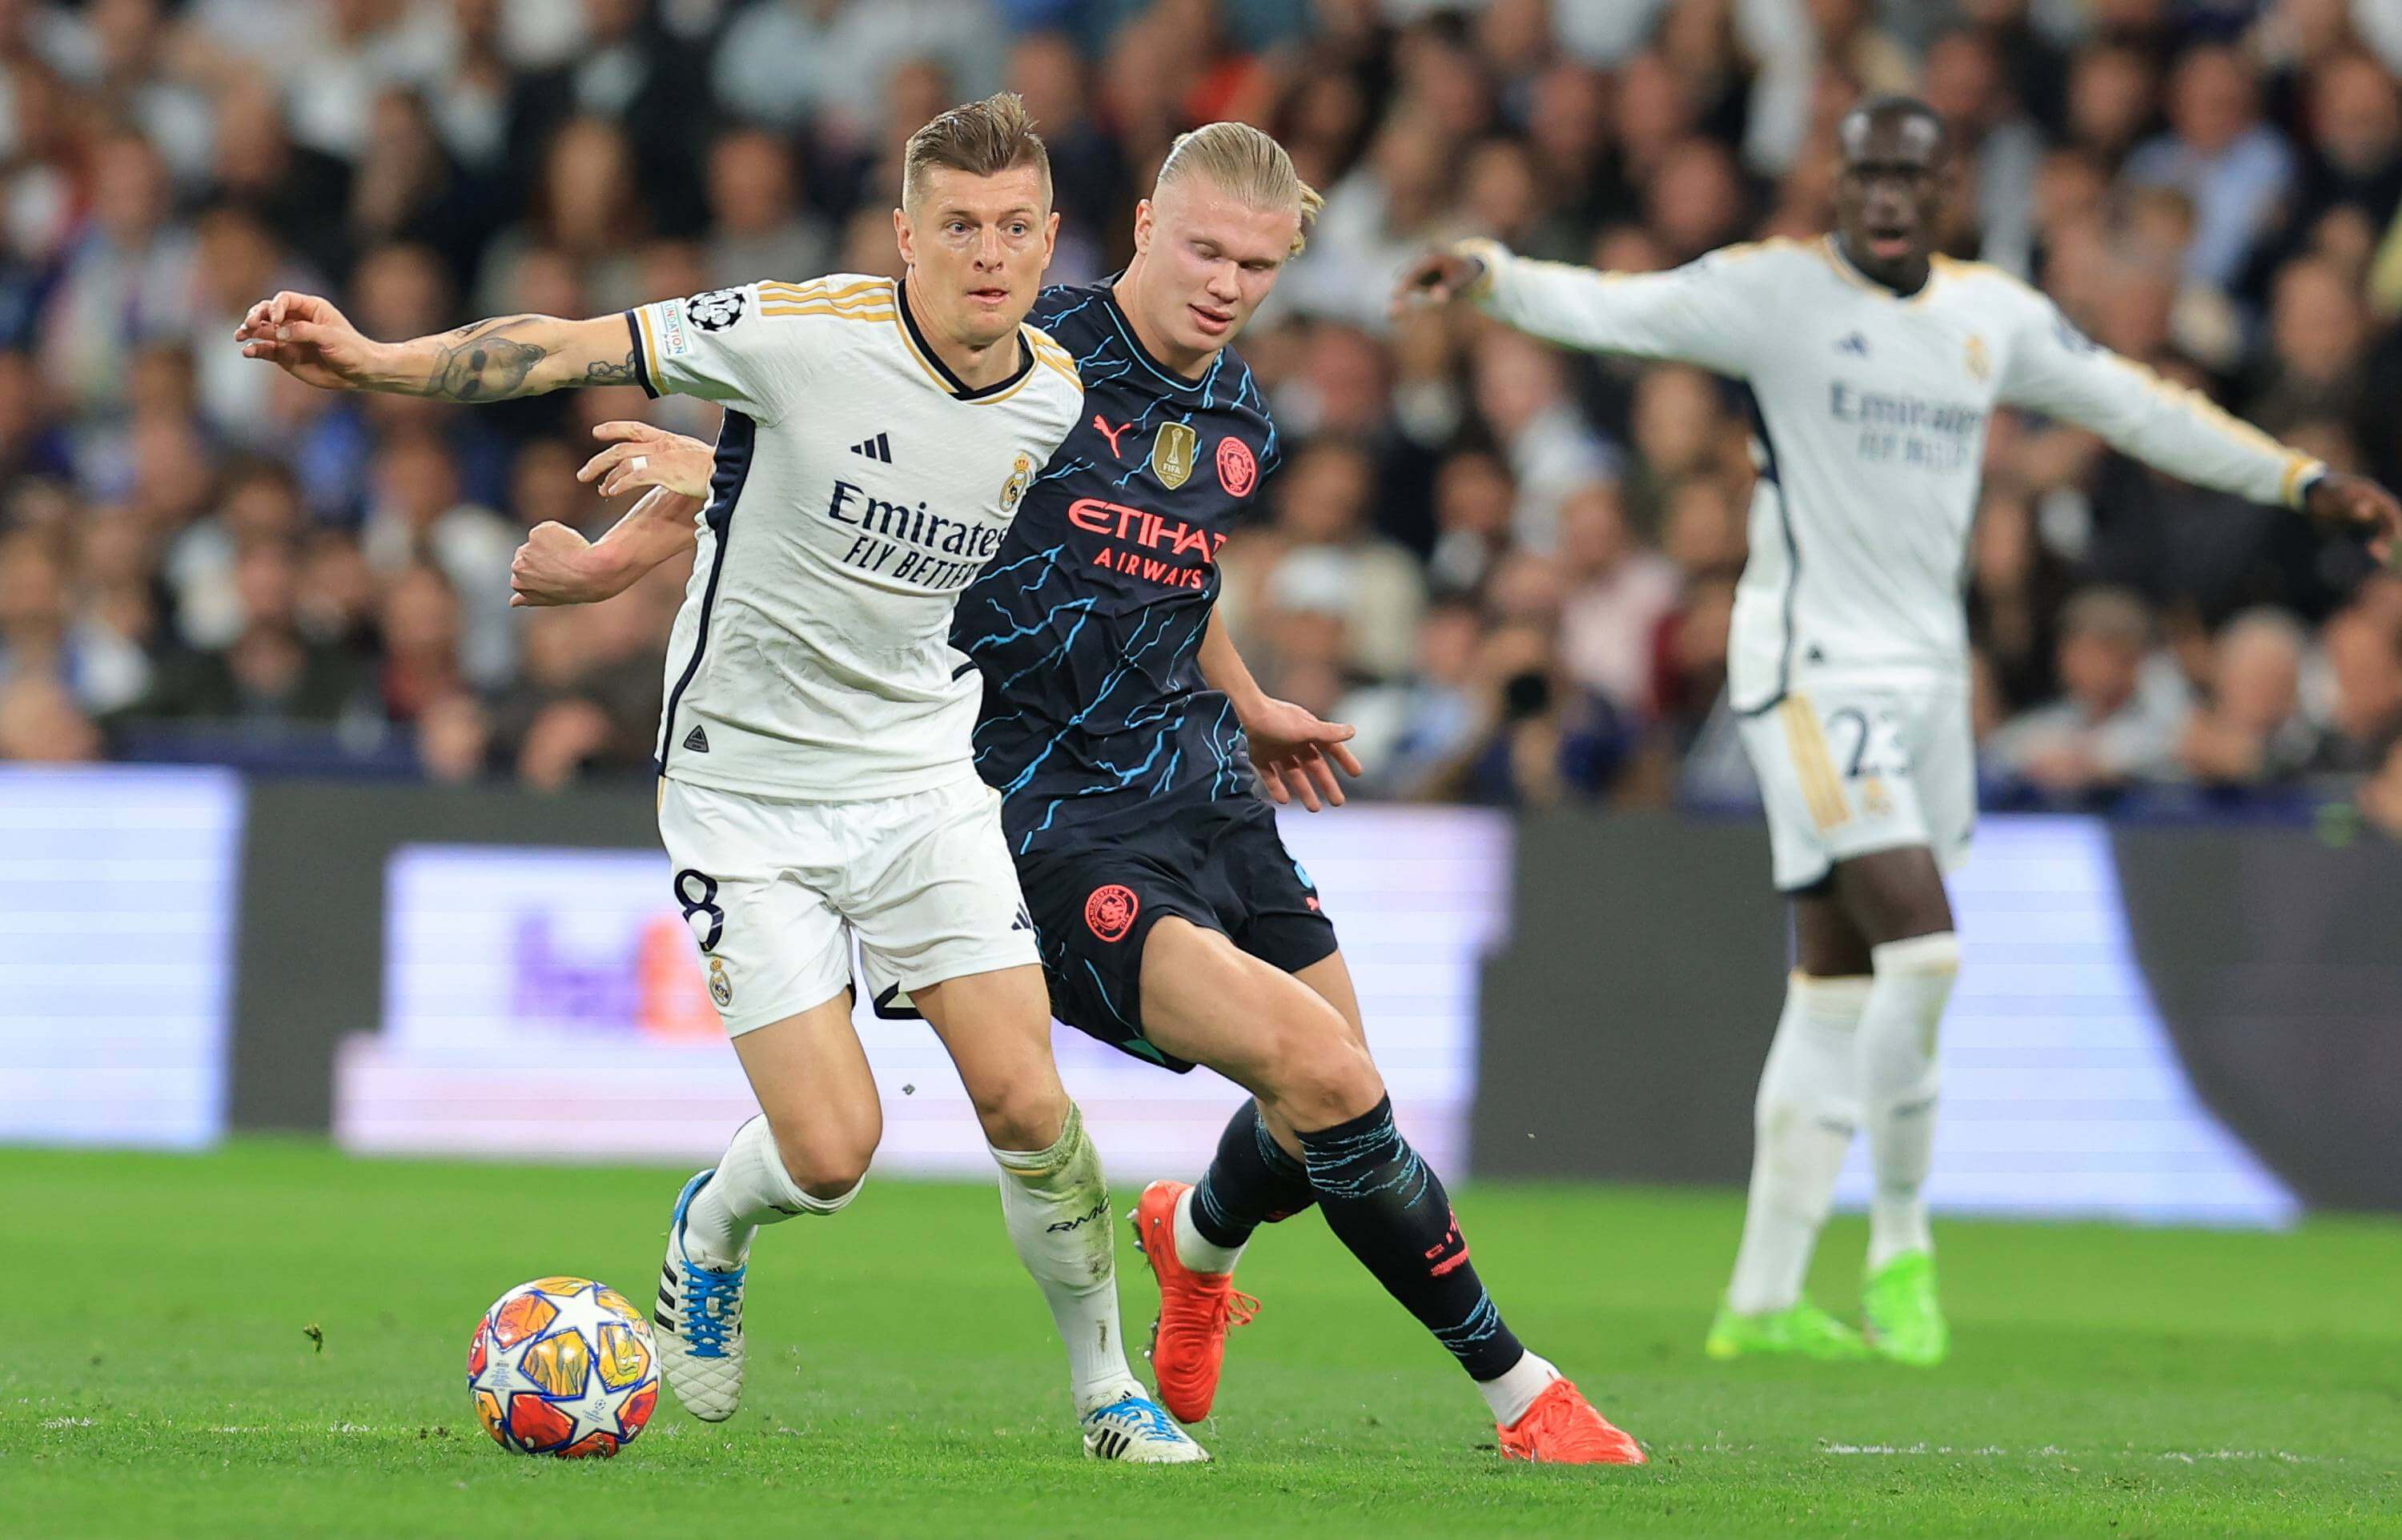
[{"x": 564, "y": 1367}]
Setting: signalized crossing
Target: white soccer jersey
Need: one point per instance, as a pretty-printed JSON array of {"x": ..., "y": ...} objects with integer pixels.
[
  {"x": 1869, "y": 413},
  {"x": 858, "y": 486}
]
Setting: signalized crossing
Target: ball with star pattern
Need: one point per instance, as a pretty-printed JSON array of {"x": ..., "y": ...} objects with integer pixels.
[{"x": 565, "y": 1366}]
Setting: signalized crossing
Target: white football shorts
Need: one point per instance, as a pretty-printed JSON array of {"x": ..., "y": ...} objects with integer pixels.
[
  {"x": 775, "y": 889},
  {"x": 1851, "y": 767}
]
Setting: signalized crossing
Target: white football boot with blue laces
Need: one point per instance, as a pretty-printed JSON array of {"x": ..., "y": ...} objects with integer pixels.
[
  {"x": 1139, "y": 1430},
  {"x": 699, "y": 1317}
]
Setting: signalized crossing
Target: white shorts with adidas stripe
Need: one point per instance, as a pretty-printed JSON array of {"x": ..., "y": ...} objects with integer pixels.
[
  {"x": 1848, "y": 766},
  {"x": 776, "y": 888}
]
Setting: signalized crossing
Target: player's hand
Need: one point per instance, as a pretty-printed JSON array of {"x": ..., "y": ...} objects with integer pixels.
[
  {"x": 1296, "y": 754},
  {"x": 639, "y": 456},
  {"x": 2358, "y": 500},
  {"x": 552, "y": 567},
  {"x": 307, "y": 337},
  {"x": 1436, "y": 278}
]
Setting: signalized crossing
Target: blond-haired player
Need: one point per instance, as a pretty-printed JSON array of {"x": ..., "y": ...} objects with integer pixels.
[
  {"x": 878, "y": 440},
  {"x": 1127, "y": 739}
]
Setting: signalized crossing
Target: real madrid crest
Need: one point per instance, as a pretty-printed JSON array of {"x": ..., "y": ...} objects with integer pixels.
[
  {"x": 1979, "y": 362},
  {"x": 721, "y": 988},
  {"x": 1173, "y": 452},
  {"x": 1021, "y": 476}
]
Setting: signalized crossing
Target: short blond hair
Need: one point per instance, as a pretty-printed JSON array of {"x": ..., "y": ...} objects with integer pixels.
[
  {"x": 1246, "y": 163},
  {"x": 982, "y": 138}
]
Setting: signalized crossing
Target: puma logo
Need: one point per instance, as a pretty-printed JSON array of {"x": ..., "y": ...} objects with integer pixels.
[{"x": 1098, "y": 422}]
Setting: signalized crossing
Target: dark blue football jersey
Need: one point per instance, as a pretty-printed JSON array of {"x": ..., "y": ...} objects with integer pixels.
[{"x": 1087, "y": 622}]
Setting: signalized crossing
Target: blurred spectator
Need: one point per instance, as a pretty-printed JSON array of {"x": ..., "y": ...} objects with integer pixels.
[
  {"x": 1410, "y": 728},
  {"x": 2364, "y": 718},
  {"x": 1618, "y": 595},
  {"x": 39, "y": 723},
  {"x": 1473, "y": 495},
  {"x": 127, "y": 282},
  {"x": 2105, "y": 731},
  {"x": 416, "y": 515},
  {"x": 1542, "y": 742},
  {"x": 268, "y": 676},
  {"x": 1522, "y": 394},
  {"x": 2218, "y": 152},
  {"x": 1321, "y": 501},
  {"x": 2251, "y": 731},
  {"x": 758, "y": 229}
]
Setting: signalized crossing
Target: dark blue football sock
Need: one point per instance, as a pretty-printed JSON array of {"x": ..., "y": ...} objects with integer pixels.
[
  {"x": 1390, "y": 1207},
  {"x": 1250, "y": 1182}
]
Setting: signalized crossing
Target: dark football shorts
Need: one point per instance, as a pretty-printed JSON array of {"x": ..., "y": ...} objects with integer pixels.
[{"x": 1219, "y": 864}]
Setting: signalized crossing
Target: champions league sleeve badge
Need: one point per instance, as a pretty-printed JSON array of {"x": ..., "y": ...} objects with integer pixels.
[{"x": 715, "y": 310}]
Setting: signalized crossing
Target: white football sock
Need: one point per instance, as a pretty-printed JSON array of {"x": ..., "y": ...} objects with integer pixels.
[
  {"x": 1513, "y": 1394},
  {"x": 1057, "y": 1210},
  {"x": 1196, "y": 1250},
  {"x": 1897, "y": 1084},
  {"x": 749, "y": 1188},
  {"x": 1801, "y": 1123}
]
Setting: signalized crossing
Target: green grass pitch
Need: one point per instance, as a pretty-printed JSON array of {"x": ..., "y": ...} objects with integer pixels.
[{"x": 904, "y": 1381}]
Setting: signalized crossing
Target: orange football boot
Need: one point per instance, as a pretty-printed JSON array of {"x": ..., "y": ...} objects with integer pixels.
[
  {"x": 1561, "y": 1428},
  {"x": 1188, "y": 1337}
]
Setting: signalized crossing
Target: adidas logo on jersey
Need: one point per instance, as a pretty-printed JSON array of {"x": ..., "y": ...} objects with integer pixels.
[
  {"x": 697, "y": 740},
  {"x": 878, "y": 447},
  {"x": 1855, "y": 344}
]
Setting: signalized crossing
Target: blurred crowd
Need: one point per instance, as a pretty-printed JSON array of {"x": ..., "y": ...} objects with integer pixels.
[{"x": 1510, "y": 568}]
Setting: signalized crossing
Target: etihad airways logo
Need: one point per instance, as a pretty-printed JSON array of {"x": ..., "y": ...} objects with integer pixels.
[{"x": 1145, "y": 544}]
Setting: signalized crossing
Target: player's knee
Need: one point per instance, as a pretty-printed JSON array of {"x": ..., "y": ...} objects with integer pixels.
[
  {"x": 830, "y": 1159},
  {"x": 1021, "y": 1110},
  {"x": 1320, "y": 1076}
]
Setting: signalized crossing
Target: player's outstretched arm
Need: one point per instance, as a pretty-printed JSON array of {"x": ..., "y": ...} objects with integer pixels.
[
  {"x": 2056, "y": 370},
  {"x": 558, "y": 566},
  {"x": 1294, "y": 751},
  {"x": 494, "y": 359},
  {"x": 1697, "y": 314}
]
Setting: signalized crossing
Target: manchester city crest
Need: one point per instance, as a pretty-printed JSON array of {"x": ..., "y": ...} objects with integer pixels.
[
  {"x": 1173, "y": 453},
  {"x": 1021, "y": 476}
]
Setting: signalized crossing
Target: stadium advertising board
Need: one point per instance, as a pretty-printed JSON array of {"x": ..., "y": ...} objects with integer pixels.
[
  {"x": 117, "y": 915},
  {"x": 550, "y": 1002},
  {"x": 2062, "y": 1089}
]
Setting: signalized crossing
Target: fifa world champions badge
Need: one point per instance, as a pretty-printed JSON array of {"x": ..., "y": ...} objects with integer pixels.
[{"x": 1173, "y": 452}]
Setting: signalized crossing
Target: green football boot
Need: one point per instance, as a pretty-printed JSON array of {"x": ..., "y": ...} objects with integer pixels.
[
  {"x": 1802, "y": 1330},
  {"x": 1903, "y": 1321}
]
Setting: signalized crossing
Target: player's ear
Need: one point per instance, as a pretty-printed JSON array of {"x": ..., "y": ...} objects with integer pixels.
[
  {"x": 1050, "y": 236},
  {"x": 1142, "y": 225},
  {"x": 905, "y": 236}
]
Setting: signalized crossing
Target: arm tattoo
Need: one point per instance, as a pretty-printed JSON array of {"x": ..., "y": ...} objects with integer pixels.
[
  {"x": 483, "y": 362},
  {"x": 602, "y": 372}
]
